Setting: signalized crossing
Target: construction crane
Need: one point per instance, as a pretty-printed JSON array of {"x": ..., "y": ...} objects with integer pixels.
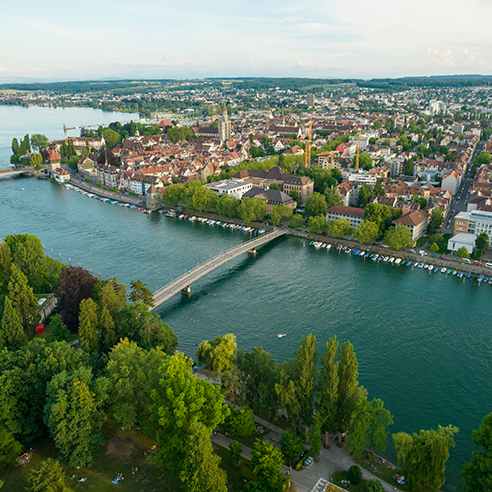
[
  {"x": 309, "y": 133},
  {"x": 358, "y": 152}
]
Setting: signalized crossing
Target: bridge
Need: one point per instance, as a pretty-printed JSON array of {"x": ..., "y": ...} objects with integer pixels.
[
  {"x": 182, "y": 283},
  {"x": 17, "y": 170}
]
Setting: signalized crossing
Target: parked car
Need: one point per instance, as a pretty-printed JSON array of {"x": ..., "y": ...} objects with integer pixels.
[
  {"x": 466, "y": 260},
  {"x": 422, "y": 253},
  {"x": 477, "y": 263}
]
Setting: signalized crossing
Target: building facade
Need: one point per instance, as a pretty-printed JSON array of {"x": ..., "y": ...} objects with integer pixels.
[
  {"x": 354, "y": 214},
  {"x": 224, "y": 125}
]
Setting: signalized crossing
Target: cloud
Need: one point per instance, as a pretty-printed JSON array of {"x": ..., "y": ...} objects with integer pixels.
[{"x": 456, "y": 59}]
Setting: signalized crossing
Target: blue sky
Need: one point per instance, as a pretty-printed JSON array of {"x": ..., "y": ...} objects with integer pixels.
[{"x": 59, "y": 40}]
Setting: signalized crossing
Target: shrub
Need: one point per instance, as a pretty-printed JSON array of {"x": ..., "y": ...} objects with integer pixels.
[{"x": 354, "y": 474}]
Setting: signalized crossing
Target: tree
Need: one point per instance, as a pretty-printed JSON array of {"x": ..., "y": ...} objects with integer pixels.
[
  {"x": 380, "y": 419},
  {"x": 436, "y": 220},
  {"x": 364, "y": 197},
  {"x": 25, "y": 145},
  {"x": 365, "y": 162},
  {"x": 317, "y": 224},
  {"x": 39, "y": 142},
  {"x": 174, "y": 194},
  {"x": 340, "y": 227},
  {"x": 266, "y": 461},
  {"x": 359, "y": 424},
  {"x": 373, "y": 485},
  {"x": 367, "y": 231},
  {"x": 141, "y": 293},
  {"x": 280, "y": 214},
  {"x": 76, "y": 284},
  {"x": 424, "y": 455},
  {"x": 328, "y": 385},
  {"x": 316, "y": 205},
  {"x": 297, "y": 221},
  {"x": 235, "y": 450},
  {"x": 74, "y": 414},
  {"x": 378, "y": 190},
  {"x": 241, "y": 423},
  {"x": 354, "y": 474},
  {"x": 48, "y": 477},
  {"x": 13, "y": 332},
  {"x": 179, "y": 133},
  {"x": 398, "y": 237},
  {"x": 36, "y": 161},
  {"x": 133, "y": 373},
  {"x": 390, "y": 124},
  {"x": 477, "y": 474},
  {"x": 274, "y": 186},
  {"x": 201, "y": 471},
  {"x": 88, "y": 324},
  {"x": 228, "y": 205},
  {"x": 305, "y": 374},
  {"x": 463, "y": 252},
  {"x": 111, "y": 138},
  {"x": 380, "y": 214},
  {"x": 10, "y": 448},
  {"x": 219, "y": 352},
  {"x": 232, "y": 385},
  {"x": 5, "y": 266},
  {"x": 180, "y": 401},
  {"x": 434, "y": 248},
  {"x": 15, "y": 146},
  {"x": 22, "y": 298},
  {"x": 294, "y": 194},
  {"x": 314, "y": 435},
  {"x": 59, "y": 331},
  {"x": 252, "y": 209},
  {"x": 333, "y": 197},
  {"x": 292, "y": 444},
  {"x": 482, "y": 243}
]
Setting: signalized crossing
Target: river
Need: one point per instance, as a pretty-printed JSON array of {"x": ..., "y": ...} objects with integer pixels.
[{"x": 422, "y": 341}]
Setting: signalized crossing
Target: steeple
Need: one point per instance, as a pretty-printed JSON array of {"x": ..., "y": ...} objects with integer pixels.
[
  {"x": 224, "y": 125},
  {"x": 224, "y": 109},
  {"x": 282, "y": 121}
]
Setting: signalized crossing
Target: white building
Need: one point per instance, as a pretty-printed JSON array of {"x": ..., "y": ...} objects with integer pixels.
[
  {"x": 451, "y": 182},
  {"x": 229, "y": 187},
  {"x": 474, "y": 222},
  {"x": 460, "y": 240},
  {"x": 354, "y": 214},
  {"x": 362, "y": 178}
]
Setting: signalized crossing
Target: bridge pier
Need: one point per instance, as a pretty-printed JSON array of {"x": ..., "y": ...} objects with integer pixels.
[
  {"x": 252, "y": 251},
  {"x": 186, "y": 290}
]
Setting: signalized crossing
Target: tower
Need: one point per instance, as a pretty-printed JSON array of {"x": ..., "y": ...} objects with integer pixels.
[
  {"x": 224, "y": 125},
  {"x": 153, "y": 198},
  {"x": 282, "y": 121}
]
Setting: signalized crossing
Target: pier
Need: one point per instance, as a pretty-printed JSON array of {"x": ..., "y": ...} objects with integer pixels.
[{"x": 183, "y": 283}]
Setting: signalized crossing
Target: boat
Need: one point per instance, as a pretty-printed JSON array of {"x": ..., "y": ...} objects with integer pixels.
[
  {"x": 409, "y": 263},
  {"x": 469, "y": 275},
  {"x": 435, "y": 270},
  {"x": 391, "y": 260},
  {"x": 282, "y": 335},
  {"x": 181, "y": 216},
  {"x": 367, "y": 255},
  {"x": 375, "y": 257},
  {"x": 356, "y": 252},
  {"x": 385, "y": 259},
  {"x": 455, "y": 272},
  {"x": 420, "y": 265},
  {"x": 448, "y": 272},
  {"x": 443, "y": 270},
  {"x": 23, "y": 189},
  {"x": 328, "y": 246},
  {"x": 261, "y": 231},
  {"x": 460, "y": 274},
  {"x": 397, "y": 261},
  {"x": 362, "y": 253},
  {"x": 311, "y": 243},
  {"x": 480, "y": 278},
  {"x": 317, "y": 244},
  {"x": 348, "y": 250},
  {"x": 323, "y": 245}
]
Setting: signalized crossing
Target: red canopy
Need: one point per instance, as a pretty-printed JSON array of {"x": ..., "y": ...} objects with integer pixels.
[{"x": 40, "y": 329}]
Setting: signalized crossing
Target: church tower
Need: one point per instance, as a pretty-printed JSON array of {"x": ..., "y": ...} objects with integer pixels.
[
  {"x": 282, "y": 120},
  {"x": 224, "y": 125}
]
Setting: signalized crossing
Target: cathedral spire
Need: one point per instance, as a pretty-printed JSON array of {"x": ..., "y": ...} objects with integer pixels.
[{"x": 224, "y": 109}]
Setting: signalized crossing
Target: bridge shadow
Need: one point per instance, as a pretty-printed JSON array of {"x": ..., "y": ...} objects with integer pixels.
[{"x": 227, "y": 273}]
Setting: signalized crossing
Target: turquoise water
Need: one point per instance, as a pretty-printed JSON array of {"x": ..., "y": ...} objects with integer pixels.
[{"x": 422, "y": 341}]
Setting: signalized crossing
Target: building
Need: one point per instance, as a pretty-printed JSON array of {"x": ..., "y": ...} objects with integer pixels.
[
  {"x": 55, "y": 161},
  {"x": 272, "y": 198},
  {"x": 310, "y": 100},
  {"x": 460, "y": 240},
  {"x": 451, "y": 182},
  {"x": 61, "y": 175},
  {"x": 417, "y": 221},
  {"x": 354, "y": 214},
  {"x": 153, "y": 198},
  {"x": 224, "y": 129},
  {"x": 474, "y": 222},
  {"x": 229, "y": 187}
]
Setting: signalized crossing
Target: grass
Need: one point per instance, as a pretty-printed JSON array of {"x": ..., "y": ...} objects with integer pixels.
[
  {"x": 122, "y": 451},
  {"x": 421, "y": 241},
  {"x": 247, "y": 441},
  {"x": 342, "y": 475},
  {"x": 236, "y": 473}
]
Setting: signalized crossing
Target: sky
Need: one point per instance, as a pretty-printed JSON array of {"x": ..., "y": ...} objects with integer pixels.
[{"x": 60, "y": 40}]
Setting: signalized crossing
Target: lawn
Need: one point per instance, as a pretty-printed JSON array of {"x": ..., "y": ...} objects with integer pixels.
[
  {"x": 247, "y": 441},
  {"x": 342, "y": 475},
  {"x": 421, "y": 241}
]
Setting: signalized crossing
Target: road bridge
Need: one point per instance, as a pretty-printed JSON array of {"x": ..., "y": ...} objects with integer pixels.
[
  {"x": 182, "y": 283},
  {"x": 17, "y": 170}
]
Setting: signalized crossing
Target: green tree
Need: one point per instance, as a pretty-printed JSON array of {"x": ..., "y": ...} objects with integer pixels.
[
  {"x": 111, "y": 138},
  {"x": 48, "y": 476},
  {"x": 365, "y": 162},
  {"x": 287, "y": 392},
  {"x": 434, "y": 248},
  {"x": 233, "y": 385},
  {"x": 25, "y": 145},
  {"x": 15, "y": 146},
  {"x": 141, "y": 293},
  {"x": 378, "y": 190},
  {"x": 201, "y": 470},
  {"x": 292, "y": 445},
  {"x": 266, "y": 461},
  {"x": 380, "y": 214},
  {"x": 133, "y": 373},
  {"x": 235, "y": 450},
  {"x": 306, "y": 374},
  {"x": 380, "y": 419},
  {"x": 436, "y": 220},
  {"x": 174, "y": 194},
  {"x": 274, "y": 186},
  {"x": 280, "y": 214},
  {"x": 88, "y": 325},
  {"x": 39, "y": 142},
  {"x": 179, "y": 133},
  {"x": 359, "y": 424},
  {"x": 367, "y": 231},
  {"x": 398, "y": 237},
  {"x": 219, "y": 352},
  {"x": 241, "y": 423},
  {"x": 74, "y": 415},
  {"x": 252, "y": 209},
  {"x": 297, "y": 221},
  {"x": 316, "y": 205},
  {"x": 294, "y": 195},
  {"x": 354, "y": 474},
  {"x": 228, "y": 206},
  {"x": 333, "y": 197},
  {"x": 59, "y": 331},
  {"x": 482, "y": 243},
  {"x": 10, "y": 448},
  {"x": 314, "y": 434},
  {"x": 364, "y": 197},
  {"x": 373, "y": 485},
  {"x": 13, "y": 333},
  {"x": 477, "y": 474},
  {"x": 424, "y": 455},
  {"x": 36, "y": 161},
  {"x": 317, "y": 224},
  {"x": 180, "y": 401},
  {"x": 463, "y": 252},
  {"x": 22, "y": 298},
  {"x": 5, "y": 266}
]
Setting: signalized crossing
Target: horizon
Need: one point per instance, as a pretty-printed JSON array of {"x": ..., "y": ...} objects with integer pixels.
[{"x": 310, "y": 39}]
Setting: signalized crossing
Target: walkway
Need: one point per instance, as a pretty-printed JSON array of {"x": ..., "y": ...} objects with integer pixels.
[{"x": 199, "y": 271}]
